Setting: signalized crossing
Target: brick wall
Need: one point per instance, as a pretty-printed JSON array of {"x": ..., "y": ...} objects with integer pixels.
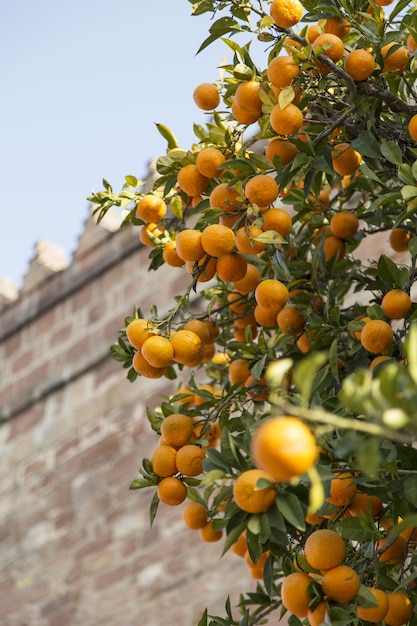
[{"x": 76, "y": 544}]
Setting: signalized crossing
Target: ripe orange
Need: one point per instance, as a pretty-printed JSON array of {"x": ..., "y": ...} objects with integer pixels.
[
  {"x": 245, "y": 239},
  {"x": 240, "y": 547},
  {"x": 375, "y": 613},
  {"x": 360, "y": 64},
  {"x": 286, "y": 13},
  {"x": 200, "y": 328},
  {"x": 163, "y": 461},
  {"x": 400, "y": 609},
  {"x": 257, "y": 569},
  {"x": 187, "y": 347},
  {"x": 206, "y": 96},
  {"x": 362, "y": 502},
  {"x": 238, "y": 371},
  {"x": 344, "y": 224},
  {"x": 334, "y": 247},
  {"x": 204, "y": 268},
  {"x": 261, "y": 190},
  {"x": 411, "y": 43},
  {"x": 278, "y": 220},
  {"x": 396, "y": 304},
  {"x": 283, "y": 149},
  {"x": 250, "y": 280},
  {"x": 286, "y": 121},
  {"x": 191, "y": 181},
  {"x": 412, "y": 127},
  {"x": 282, "y": 70},
  {"x": 332, "y": 46},
  {"x": 189, "y": 459},
  {"x": 250, "y": 498},
  {"x": 217, "y": 240},
  {"x": 137, "y": 331},
  {"x": 324, "y": 549},
  {"x": 392, "y": 551},
  {"x": 337, "y": 26},
  {"x": 188, "y": 245},
  {"x": 209, "y": 534},
  {"x": 399, "y": 239},
  {"x": 340, "y": 583},
  {"x": 150, "y": 230},
  {"x": 247, "y": 97},
  {"x": 318, "y": 615},
  {"x": 394, "y": 62},
  {"x": 376, "y": 336},
  {"x": 151, "y": 208},
  {"x": 256, "y": 388},
  {"x": 144, "y": 368},
  {"x": 265, "y": 317},
  {"x": 313, "y": 31},
  {"x": 244, "y": 116},
  {"x": 284, "y": 447},
  {"x": 177, "y": 429},
  {"x": 158, "y": 351},
  {"x": 290, "y": 320},
  {"x": 231, "y": 267},
  {"x": 170, "y": 255},
  {"x": 271, "y": 294},
  {"x": 342, "y": 489},
  {"x": 295, "y": 593},
  {"x": 224, "y": 197},
  {"x": 171, "y": 491},
  {"x": 194, "y": 515},
  {"x": 208, "y": 162},
  {"x": 345, "y": 159}
]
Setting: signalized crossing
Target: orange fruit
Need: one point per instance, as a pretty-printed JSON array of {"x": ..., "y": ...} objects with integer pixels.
[
  {"x": 250, "y": 280},
  {"x": 194, "y": 515},
  {"x": 170, "y": 255},
  {"x": 324, "y": 549},
  {"x": 244, "y": 116},
  {"x": 231, "y": 267},
  {"x": 200, "y": 328},
  {"x": 391, "y": 551},
  {"x": 345, "y": 159},
  {"x": 375, "y": 613},
  {"x": 204, "y": 268},
  {"x": 256, "y": 388},
  {"x": 247, "y": 97},
  {"x": 283, "y": 149},
  {"x": 187, "y": 347},
  {"x": 144, "y": 368},
  {"x": 377, "y": 360},
  {"x": 257, "y": 569},
  {"x": 150, "y": 230},
  {"x": 411, "y": 43},
  {"x": 163, "y": 461},
  {"x": 284, "y": 447},
  {"x": 189, "y": 459},
  {"x": 250, "y": 498},
  {"x": 271, "y": 294},
  {"x": 342, "y": 489},
  {"x": 344, "y": 224},
  {"x": 137, "y": 331},
  {"x": 286, "y": 121},
  {"x": 396, "y": 62},
  {"x": 376, "y": 336},
  {"x": 295, "y": 593},
  {"x": 340, "y": 583},
  {"x": 400, "y": 609},
  {"x": 240, "y": 547},
  {"x": 318, "y": 615},
  {"x": 208, "y": 162},
  {"x": 360, "y": 64},
  {"x": 282, "y": 70},
  {"x": 304, "y": 343},
  {"x": 332, "y": 46},
  {"x": 224, "y": 197},
  {"x": 278, "y": 220},
  {"x": 336, "y": 26},
  {"x": 206, "y": 96},
  {"x": 158, "y": 351},
  {"x": 399, "y": 239},
  {"x": 188, "y": 245},
  {"x": 245, "y": 239},
  {"x": 313, "y": 31},
  {"x": 290, "y": 320},
  {"x": 177, "y": 429},
  {"x": 191, "y": 181},
  {"x": 238, "y": 303},
  {"x": 265, "y": 317},
  {"x": 396, "y": 304},
  {"x": 412, "y": 127},
  {"x": 171, "y": 491},
  {"x": 151, "y": 208},
  {"x": 334, "y": 247},
  {"x": 286, "y": 13},
  {"x": 217, "y": 240},
  {"x": 238, "y": 371},
  {"x": 362, "y": 502},
  {"x": 209, "y": 534},
  {"x": 261, "y": 189}
]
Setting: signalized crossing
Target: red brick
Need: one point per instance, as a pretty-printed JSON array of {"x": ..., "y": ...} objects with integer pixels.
[
  {"x": 64, "y": 619},
  {"x": 67, "y": 447},
  {"x": 95, "y": 545},
  {"x": 34, "y": 468},
  {"x": 25, "y": 421},
  {"x": 64, "y": 520},
  {"x": 111, "y": 577},
  {"x": 56, "y": 604},
  {"x": 22, "y": 361},
  {"x": 101, "y": 451}
]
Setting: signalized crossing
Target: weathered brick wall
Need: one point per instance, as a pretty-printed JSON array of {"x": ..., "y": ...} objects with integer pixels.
[{"x": 76, "y": 545}]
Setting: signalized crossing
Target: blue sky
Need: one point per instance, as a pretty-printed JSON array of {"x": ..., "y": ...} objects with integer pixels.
[{"x": 83, "y": 84}]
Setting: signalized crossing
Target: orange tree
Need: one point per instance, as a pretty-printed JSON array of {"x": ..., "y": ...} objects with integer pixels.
[{"x": 290, "y": 433}]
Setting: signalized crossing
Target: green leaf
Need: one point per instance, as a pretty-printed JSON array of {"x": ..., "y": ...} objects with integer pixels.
[
  {"x": 290, "y": 507},
  {"x": 140, "y": 483},
  {"x": 367, "y": 145},
  {"x": 168, "y": 136},
  {"x": 391, "y": 151},
  {"x": 132, "y": 181},
  {"x": 221, "y": 27},
  {"x": 410, "y": 490},
  {"x": 387, "y": 269},
  {"x": 242, "y": 72},
  {"x": 408, "y": 192},
  {"x": 271, "y": 236},
  {"x": 176, "y": 206},
  {"x": 305, "y": 373},
  {"x": 154, "y": 507},
  {"x": 411, "y": 352},
  {"x": 203, "y": 620}
]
